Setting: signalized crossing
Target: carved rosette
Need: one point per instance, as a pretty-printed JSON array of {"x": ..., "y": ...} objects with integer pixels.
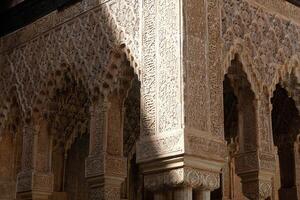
[{"x": 195, "y": 178}]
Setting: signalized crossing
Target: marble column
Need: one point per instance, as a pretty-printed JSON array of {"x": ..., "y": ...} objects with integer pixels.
[{"x": 184, "y": 193}]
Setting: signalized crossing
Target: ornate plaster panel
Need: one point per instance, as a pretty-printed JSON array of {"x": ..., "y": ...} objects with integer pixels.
[
  {"x": 266, "y": 43},
  {"x": 78, "y": 39}
]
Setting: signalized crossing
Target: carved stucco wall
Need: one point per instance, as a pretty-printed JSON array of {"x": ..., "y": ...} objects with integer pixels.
[
  {"x": 266, "y": 41},
  {"x": 106, "y": 24},
  {"x": 80, "y": 37},
  {"x": 161, "y": 90},
  {"x": 267, "y": 44},
  {"x": 83, "y": 34}
]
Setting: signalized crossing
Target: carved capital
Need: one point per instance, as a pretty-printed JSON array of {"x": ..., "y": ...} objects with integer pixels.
[
  {"x": 195, "y": 178},
  {"x": 202, "y": 179},
  {"x": 265, "y": 189},
  {"x": 257, "y": 189}
]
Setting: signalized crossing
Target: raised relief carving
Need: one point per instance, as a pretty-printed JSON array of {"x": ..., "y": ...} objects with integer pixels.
[
  {"x": 82, "y": 41},
  {"x": 186, "y": 176},
  {"x": 264, "y": 42}
]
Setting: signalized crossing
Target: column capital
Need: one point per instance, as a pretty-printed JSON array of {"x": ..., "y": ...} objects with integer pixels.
[
  {"x": 257, "y": 189},
  {"x": 99, "y": 105},
  {"x": 185, "y": 176}
]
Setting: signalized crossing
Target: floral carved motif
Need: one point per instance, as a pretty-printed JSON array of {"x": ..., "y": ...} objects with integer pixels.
[
  {"x": 184, "y": 176},
  {"x": 266, "y": 44},
  {"x": 35, "y": 57}
]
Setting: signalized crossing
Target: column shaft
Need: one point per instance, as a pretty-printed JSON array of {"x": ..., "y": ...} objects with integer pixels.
[
  {"x": 202, "y": 195},
  {"x": 185, "y": 193},
  {"x": 159, "y": 196}
]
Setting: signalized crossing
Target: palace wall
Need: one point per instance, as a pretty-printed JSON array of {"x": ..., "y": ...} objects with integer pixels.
[{"x": 179, "y": 52}]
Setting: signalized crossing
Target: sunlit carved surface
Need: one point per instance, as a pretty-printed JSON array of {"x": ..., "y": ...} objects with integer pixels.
[{"x": 152, "y": 100}]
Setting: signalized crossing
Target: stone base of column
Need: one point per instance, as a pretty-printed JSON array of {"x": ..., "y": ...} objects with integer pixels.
[{"x": 34, "y": 186}]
